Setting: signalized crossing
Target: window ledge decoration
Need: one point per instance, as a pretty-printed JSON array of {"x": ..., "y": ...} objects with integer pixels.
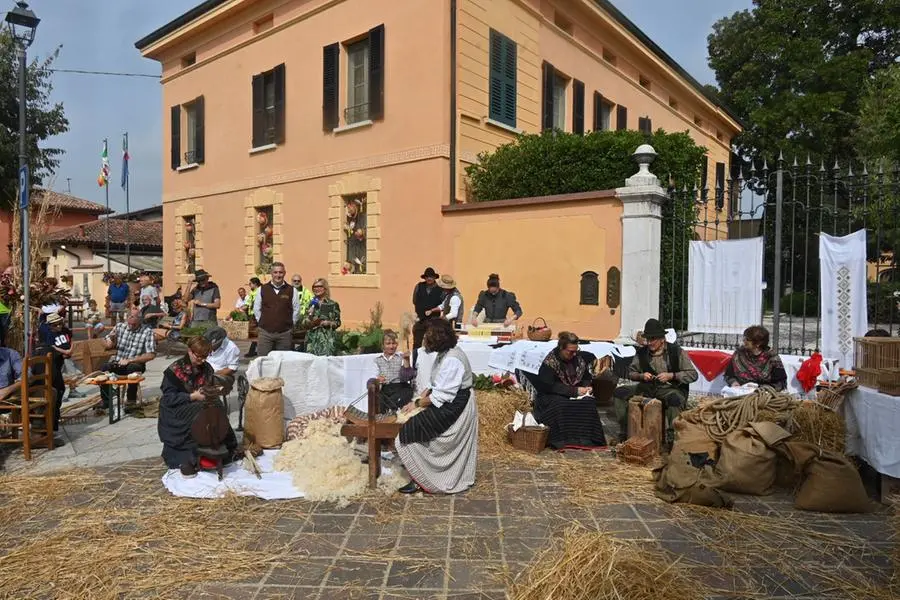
[
  {"x": 343, "y": 272},
  {"x": 263, "y": 239},
  {"x": 183, "y": 213}
]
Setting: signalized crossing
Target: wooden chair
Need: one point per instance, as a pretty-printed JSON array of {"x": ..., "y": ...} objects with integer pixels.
[{"x": 35, "y": 393}]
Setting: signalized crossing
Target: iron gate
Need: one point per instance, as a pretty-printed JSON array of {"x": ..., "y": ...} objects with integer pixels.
[{"x": 788, "y": 205}]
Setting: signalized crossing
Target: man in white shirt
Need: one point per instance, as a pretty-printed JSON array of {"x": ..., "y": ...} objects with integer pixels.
[
  {"x": 452, "y": 307},
  {"x": 224, "y": 357}
]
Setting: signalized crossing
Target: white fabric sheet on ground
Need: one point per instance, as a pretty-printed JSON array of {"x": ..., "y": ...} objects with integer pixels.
[
  {"x": 725, "y": 285},
  {"x": 845, "y": 315},
  {"x": 274, "y": 485},
  {"x": 447, "y": 463},
  {"x": 873, "y": 420},
  {"x": 792, "y": 363}
]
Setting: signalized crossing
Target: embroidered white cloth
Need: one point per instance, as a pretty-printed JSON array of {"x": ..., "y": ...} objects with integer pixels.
[
  {"x": 725, "y": 285},
  {"x": 845, "y": 315}
]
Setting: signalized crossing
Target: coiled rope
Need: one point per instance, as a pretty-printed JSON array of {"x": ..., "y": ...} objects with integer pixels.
[{"x": 724, "y": 415}]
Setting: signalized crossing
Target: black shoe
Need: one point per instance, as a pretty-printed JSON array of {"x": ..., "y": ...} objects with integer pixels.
[
  {"x": 58, "y": 442},
  {"x": 410, "y": 488},
  {"x": 188, "y": 471}
]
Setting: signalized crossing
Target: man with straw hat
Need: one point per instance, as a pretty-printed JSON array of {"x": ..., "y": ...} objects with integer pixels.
[
  {"x": 662, "y": 371},
  {"x": 452, "y": 307}
]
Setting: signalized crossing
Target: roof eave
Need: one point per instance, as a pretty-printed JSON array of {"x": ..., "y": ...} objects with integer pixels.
[{"x": 177, "y": 23}]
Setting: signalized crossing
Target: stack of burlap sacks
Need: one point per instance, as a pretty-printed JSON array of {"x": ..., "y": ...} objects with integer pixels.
[{"x": 756, "y": 458}]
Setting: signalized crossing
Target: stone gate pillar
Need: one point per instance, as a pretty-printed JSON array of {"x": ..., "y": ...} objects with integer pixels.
[{"x": 642, "y": 199}]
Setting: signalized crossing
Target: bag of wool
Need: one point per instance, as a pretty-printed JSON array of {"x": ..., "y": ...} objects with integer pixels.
[{"x": 264, "y": 413}]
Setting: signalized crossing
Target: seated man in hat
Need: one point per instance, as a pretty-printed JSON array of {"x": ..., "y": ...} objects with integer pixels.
[
  {"x": 223, "y": 358},
  {"x": 662, "y": 371}
]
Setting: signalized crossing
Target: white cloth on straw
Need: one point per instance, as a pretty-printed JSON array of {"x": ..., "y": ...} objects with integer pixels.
[
  {"x": 725, "y": 285},
  {"x": 274, "y": 485},
  {"x": 845, "y": 315}
]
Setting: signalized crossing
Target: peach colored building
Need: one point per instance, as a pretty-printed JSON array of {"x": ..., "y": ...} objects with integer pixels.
[{"x": 279, "y": 114}]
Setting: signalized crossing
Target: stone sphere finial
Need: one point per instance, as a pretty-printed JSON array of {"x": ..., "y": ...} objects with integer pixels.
[{"x": 643, "y": 156}]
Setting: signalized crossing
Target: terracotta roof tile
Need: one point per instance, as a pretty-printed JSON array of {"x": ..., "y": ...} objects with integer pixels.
[
  {"x": 68, "y": 202},
  {"x": 147, "y": 234}
]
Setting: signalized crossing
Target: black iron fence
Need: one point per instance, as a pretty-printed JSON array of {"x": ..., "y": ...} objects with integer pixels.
[{"x": 788, "y": 204}]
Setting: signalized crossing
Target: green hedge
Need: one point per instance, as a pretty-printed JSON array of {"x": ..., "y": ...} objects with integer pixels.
[{"x": 800, "y": 304}]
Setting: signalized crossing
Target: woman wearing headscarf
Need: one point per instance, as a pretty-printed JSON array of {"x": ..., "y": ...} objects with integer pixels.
[
  {"x": 322, "y": 318},
  {"x": 564, "y": 402},
  {"x": 754, "y": 362},
  {"x": 439, "y": 446},
  {"x": 183, "y": 398}
]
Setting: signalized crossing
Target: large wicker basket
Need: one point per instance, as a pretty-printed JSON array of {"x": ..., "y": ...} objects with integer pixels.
[
  {"x": 873, "y": 354},
  {"x": 889, "y": 381},
  {"x": 539, "y": 333},
  {"x": 529, "y": 439}
]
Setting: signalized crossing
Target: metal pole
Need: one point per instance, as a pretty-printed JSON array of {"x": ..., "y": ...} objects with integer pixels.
[
  {"x": 127, "y": 210},
  {"x": 108, "y": 261},
  {"x": 26, "y": 237},
  {"x": 776, "y": 292}
]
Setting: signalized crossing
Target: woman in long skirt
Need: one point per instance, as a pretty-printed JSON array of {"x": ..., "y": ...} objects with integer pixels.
[{"x": 439, "y": 446}]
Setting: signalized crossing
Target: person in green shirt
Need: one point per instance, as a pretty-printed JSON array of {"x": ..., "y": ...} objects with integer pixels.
[
  {"x": 5, "y": 320},
  {"x": 255, "y": 284}
]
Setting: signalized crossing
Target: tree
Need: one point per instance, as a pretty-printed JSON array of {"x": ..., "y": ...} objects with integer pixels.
[
  {"x": 44, "y": 119},
  {"x": 794, "y": 71},
  {"x": 878, "y": 130}
]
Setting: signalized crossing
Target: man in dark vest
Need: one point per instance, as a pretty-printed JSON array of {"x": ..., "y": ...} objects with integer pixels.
[
  {"x": 496, "y": 304},
  {"x": 427, "y": 298},
  {"x": 663, "y": 371},
  {"x": 277, "y": 308}
]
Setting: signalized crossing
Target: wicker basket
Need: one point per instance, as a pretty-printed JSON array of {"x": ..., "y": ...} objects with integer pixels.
[
  {"x": 889, "y": 381},
  {"x": 539, "y": 333},
  {"x": 873, "y": 354},
  {"x": 529, "y": 439},
  {"x": 637, "y": 451},
  {"x": 832, "y": 394}
]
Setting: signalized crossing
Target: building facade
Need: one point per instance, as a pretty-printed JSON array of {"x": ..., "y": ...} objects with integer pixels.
[{"x": 331, "y": 134}]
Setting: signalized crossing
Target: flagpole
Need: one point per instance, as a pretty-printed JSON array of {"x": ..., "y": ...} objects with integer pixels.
[
  {"x": 108, "y": 261},
  {"x": 126, "y": 177}
]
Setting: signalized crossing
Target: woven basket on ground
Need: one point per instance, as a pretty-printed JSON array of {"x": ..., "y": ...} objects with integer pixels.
[{"x": 528, "y": 439}]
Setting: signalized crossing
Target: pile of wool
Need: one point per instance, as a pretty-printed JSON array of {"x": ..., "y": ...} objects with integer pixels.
[{"x": 323, "y": 464}]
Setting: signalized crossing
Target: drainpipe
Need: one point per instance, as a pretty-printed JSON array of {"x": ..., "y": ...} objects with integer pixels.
[
  {"x": 453, "y": 115},
  {"x": 77, "y": 258}
]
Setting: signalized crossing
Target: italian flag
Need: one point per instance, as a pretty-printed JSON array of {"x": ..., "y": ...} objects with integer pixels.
[{"x": 103, "y": 178}]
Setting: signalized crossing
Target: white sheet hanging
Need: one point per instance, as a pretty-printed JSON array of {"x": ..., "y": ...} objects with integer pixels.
[
  {"x": 845, "y": 315},
  {"x": 725, "y": 285}
]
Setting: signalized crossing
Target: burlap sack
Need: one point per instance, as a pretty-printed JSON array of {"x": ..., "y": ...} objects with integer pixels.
[
  {"x": 679, "y": 481},
  {"x": 829, "y": 482},
  {"x": 747, "y": 463},
  {"x": 264, "y": 413},
  {"x": 691, "y": 437}
]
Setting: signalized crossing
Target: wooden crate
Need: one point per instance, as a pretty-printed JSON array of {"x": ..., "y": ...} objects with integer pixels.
[
  {"x": 237, "y": 330},
  {"x": 871, "y": 355}
]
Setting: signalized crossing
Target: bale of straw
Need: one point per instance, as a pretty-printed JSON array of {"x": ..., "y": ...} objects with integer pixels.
[
  {"x": 593, "y": 565},
  {"x": 819, "y": 425}
]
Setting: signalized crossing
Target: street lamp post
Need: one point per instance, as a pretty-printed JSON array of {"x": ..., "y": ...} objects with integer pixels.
[{"x": 22, "y": 25}]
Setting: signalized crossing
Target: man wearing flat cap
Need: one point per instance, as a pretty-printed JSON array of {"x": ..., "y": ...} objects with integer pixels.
[
  {"x": 427, "y": 298},
  {"x": 662, "y": 371},
  {"x": 223, "y": 358}
]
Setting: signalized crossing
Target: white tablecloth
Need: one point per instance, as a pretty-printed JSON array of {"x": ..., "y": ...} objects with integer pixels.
[{"x": 873, "y": 420}]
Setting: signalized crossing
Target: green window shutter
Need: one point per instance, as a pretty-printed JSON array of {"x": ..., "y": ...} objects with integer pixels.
[{"x": 502, "y": 90}]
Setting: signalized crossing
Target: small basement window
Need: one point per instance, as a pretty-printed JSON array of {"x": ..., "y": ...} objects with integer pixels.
[
  {"x": 263, "y": 24},
  {"x": 673, "y": 103},
  {"x": 609, "y": 57},
  {"x": 563, "y": 23},
  {"x": 645, "y": 82},
  {"x": 188, "y": 60},
  {"x": 698, "y": 121}
]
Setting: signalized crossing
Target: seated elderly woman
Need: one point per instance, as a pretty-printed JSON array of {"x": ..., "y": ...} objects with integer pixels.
[
  {"x": 185, "y": 393},
  {"x": 439, "y": 445},
  {"x": 564, "y": 402},
  {"x": 754, "y": 362}
]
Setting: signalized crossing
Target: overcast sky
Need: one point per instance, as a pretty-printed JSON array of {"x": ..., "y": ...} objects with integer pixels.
[{"x": 100, "y": 36}]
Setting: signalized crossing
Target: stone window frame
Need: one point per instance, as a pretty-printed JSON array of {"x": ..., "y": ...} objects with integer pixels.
[
  {"x": 354, "y": 185},
  {"x": 185, "y": 211},
  {"x": 259, "y": 199}
]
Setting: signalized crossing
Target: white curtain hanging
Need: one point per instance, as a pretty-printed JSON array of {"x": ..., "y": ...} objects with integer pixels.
[
  {"x": 845, "y": 315},
  {"x": 725, "y": 285}
]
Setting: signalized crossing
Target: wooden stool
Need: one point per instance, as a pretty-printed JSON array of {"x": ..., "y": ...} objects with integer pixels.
[
  {"x": 646, "y": 421},
  {"x": 374, "y": 432}
]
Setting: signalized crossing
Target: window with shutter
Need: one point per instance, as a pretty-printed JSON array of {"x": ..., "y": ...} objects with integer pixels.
[
  {"x": 547, "y": 75},
  {"x": 331, "y": 56},
  {"x": 602, "y": 113},
  {"x": 704, "y": 169},
  {"x": 577, "y": 107},
  {"x": 190, "y": 142},
  {"x": 645, "y": 125},
  {"x": 175, "y": 139},
  {"x": 720, "y": 186},
  {"x": 559, "y": 101},
  {"x": 503, "y": 79},
  {"x": 268, "y": 90},
  {"x": 621, "y": 117},
  {"x": 376, "y": 73},
  {"x": 199, "y": 126}
]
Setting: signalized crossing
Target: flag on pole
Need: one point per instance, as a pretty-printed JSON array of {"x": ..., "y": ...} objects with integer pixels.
[
  {"x": 125, "y": 158},
  {"x": 103, "y": 178}
]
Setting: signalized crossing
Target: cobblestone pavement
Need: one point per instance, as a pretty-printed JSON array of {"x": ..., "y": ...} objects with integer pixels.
[{"x": 470, "y": 545}]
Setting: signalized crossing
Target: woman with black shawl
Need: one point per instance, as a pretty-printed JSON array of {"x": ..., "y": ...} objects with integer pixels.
[
  {"x": 754, "y": 362},
  {"x": 564, "y": 402},
  {"x": 183, "y": 399}
]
